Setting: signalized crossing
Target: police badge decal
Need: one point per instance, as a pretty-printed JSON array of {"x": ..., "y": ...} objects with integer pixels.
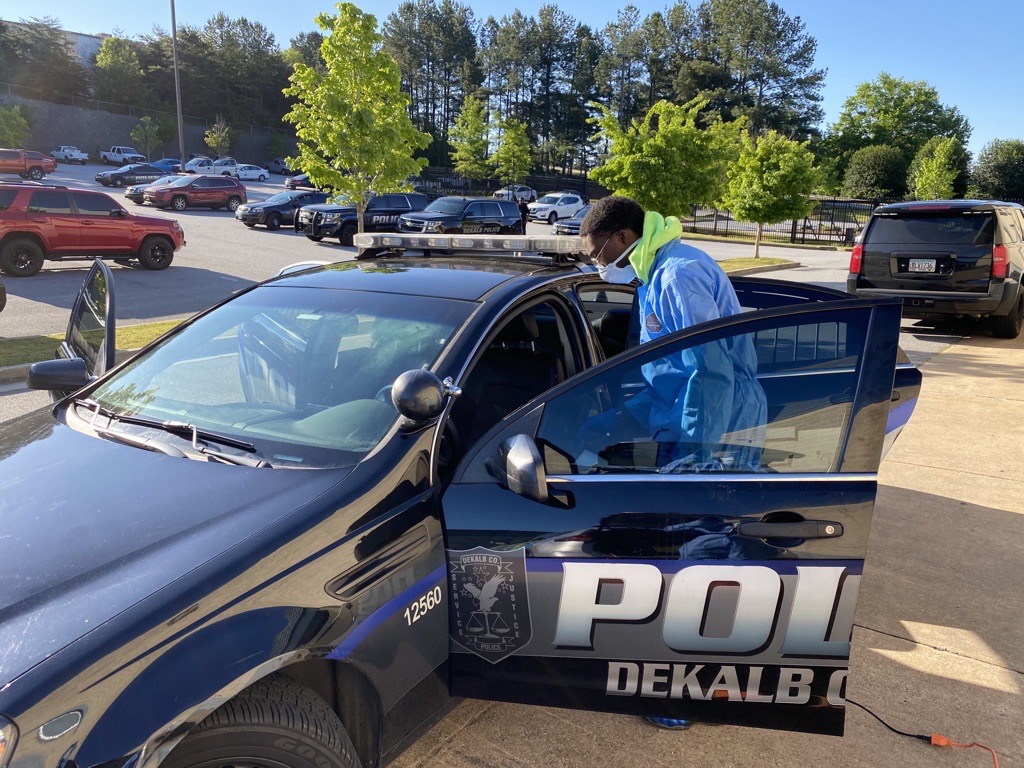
[{"x": 490, "y": 611}]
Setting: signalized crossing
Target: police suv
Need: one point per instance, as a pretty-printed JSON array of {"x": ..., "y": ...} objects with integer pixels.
[{"x": 296, "y": 528}]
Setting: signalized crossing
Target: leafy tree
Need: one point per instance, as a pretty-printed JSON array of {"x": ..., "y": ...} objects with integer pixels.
[
  {"x": 998, "y": 172},
  {"x": 355, "y": 135},
  {"x": 41, "y": 59},
  {"x": 117, "y": 76},
  {"x": 220, "y": 137},
  {"x": 960, "y": 158},
  {"x": 150, "y": 134},
  {"x": 512, "y": 157},
  {"x": 771, "y": 181},
  {"x": 305, "y": 49},
  {"x": 876, "y": 172},
  {"x": 666, "y": 161},
  {"x": 14, "y": 128},
  {"x": 470, "y": 140},
  {"x": 933, "y": 163},
  {"x": 895, "y": 112}
]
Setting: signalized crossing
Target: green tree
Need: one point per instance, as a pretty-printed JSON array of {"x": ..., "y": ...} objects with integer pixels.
[
  {"x": 305, "y": 49},
  {"x": 220, "y": 137},
  {"x": 14, "y": 128},
  {"x": 666, "y": 162},
  {"x": 512, "y": 157},
  {"x": 470, "y": 140},
  {"x": 150, "y": 134},
  {"x": 876, "y": 172},
  {"x": 936, "y": 174},
  {"x": 771, "y": 181},
  {"x": 117, "y": 76},
  {"x": 355, "y": 135},
  {"x": 895, "y": 112},
  {"x": 960, "y": 158},
  {"x": 998, "y": 172},
  {"x": 41, "y": 59}
]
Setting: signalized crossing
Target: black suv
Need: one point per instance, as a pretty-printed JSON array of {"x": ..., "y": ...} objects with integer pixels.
[
  {"x": 465, "y": 215},
  {"x": 946, "y": 258},
  {"x": 333, "y": 220}
]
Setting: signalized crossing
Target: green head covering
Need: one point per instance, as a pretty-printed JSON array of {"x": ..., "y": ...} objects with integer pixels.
[{"x": 658, "y": 230}]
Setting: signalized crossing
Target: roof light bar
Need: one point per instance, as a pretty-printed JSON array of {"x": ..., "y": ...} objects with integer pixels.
[{"x": 560, "y": 244}]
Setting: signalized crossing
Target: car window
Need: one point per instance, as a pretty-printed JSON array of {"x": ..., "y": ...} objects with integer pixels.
[
  {"x": 95, "y": 204},
  {"x": 184, "y": 181},
  {"x": 549, "y": 199},
  {"x": 474, "y": 210},
  {"x": 7, "y": 197},
  {"x": 49, "y": 201},
  {"x": 203, "y": 183},
  {"x": 276, "y": 366},
  {"x": 493, "y": 210},
  {"x": 946, "y": 227},
  {"x": 447, "y": 205},
  {"x": 9, "y": 154},
  {"x": 609, "y": 312},
  {"x": 570, "y": 201},
  {"x": 646, "y": 416},
  {"x": 377, "y": 202},
  {"x": 222, "y": 182}
]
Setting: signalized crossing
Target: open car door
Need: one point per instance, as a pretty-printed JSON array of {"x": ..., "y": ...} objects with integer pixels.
[{"x": 595, "y": 563}]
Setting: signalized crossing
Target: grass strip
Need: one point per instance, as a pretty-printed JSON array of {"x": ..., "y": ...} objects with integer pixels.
[{"x": 30, "y": 349}]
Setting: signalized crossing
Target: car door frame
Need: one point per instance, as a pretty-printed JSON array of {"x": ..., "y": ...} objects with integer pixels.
[{"x": 528, "y": 678}]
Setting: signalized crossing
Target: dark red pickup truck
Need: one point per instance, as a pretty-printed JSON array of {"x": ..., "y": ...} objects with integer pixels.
[
  {"x": 45, "y": 221},
  {"x": 25, "y": 163}
]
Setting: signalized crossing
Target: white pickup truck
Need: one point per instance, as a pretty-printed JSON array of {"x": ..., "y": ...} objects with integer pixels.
[
  {"x": 68, "y": 154},
  {"x": 122, "y": 156}
]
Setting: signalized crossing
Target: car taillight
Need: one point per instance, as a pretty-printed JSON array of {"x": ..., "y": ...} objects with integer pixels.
[
  {"x": 856, "y": 259},
  {"x": 999, "y": 262}
]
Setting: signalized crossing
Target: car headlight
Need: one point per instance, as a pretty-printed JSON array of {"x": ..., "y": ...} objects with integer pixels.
[
  {"x": 432, "y": 226},
  {"x": 330, "y": 217},
  {"x": 8, "y": 739}
]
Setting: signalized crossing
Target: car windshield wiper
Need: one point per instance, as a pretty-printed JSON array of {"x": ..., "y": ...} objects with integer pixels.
[
  {"x": 146, "y": 443},
  {"x": 178, "y": 428}
]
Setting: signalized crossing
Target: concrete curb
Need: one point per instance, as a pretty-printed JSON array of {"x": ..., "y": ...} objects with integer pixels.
[{"x": 770, "y": 268}]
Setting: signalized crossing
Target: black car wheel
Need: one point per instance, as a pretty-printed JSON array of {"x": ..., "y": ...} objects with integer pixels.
[
  {"x": 233, "y": 203},
  {"x": 156, "y": 252},
  {"x": 315, "y": 238},
  {"x": 35, "y": 174},
  {"x": 21, "y": 257},
  {"x": 275, "y": 723},
  {"x": 179, "y": 202},
  {"x": 346, "y": 235},
  {"x": 273, "y": 221},
  {"x": 117, "y": 181},
  {"x": 552, "y": 218},
  {"x": 1008, "y": 326}
]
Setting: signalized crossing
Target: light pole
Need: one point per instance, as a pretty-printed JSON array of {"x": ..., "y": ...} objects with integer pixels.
[{"x": 177, "y": 86}]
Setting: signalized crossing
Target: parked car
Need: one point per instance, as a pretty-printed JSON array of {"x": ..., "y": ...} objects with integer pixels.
[
  {"x": 429, "y": 192},
  {"x": 48, "y": 222},
  {"x": 516, "y": 192},
  {"x": 170, "y": 164},
  {"x": 582, "y": 195},
  {"x": 299, "y": 181},
  {"x": 191, "y": 191},
  {"x": 551, "y": 208},
  {"x": 320, "y": 543},
  {"x": 278, "y": 209},
  {"x": 252, "y": 173},
  {"x": 119, "y": 156},
  {"x": 947, "y": 259},
  {"x": 69, "y": 154},
  {"x": 135, "y": 173},
  {"x": 278, "y": 165},
  {"x": 137, "y": 192},
  {"x": 199, "y": 164},
  {"x": 465, "y": 215},
  {"x": 570, "y": 226},
  {"x": 226, "y": 166},
  {"x": 340, "y": 220},
  {"x": 26, "y": 163}
]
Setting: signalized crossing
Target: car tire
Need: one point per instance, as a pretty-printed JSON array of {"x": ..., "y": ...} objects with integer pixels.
[
  {"x": 552, "y": 218},
  {"x": 273, "y": 221},
  {"x": 35, "y": 173},
  {"x": 118, "y": 182},
  {"x": 275, "y": 722},
  {"x": 22, "y": 257},
  {"x": 156, "y": 253},
  {"x": 1008, "y": 326},
  {"x": 233, "y": 203},
  {"x": 249, "y": 224},
  {"x": 261, "y": 177},
  {"x": 179, "y": 202},
  {"x": 315, "y": 238},
  {"x": 347, "y": 233}
]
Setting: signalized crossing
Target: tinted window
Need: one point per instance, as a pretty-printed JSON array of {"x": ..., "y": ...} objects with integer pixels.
[
  {"x": 47, "y": 201},
  {"x": 221, "y": 182},
  {"x": 95, "y": 204},
  {"x": 203, "y": 183},
  {"x": 507, "y": 208},
  {"x": 493, "y": 210},
  {"x": 945, "y": 227},
  {"x": 447, "y": 205},
  {"x": 375, "y": 203},
  {"x": 475, "y": 210},
  {"x": 9, "y": 154},
  {"x": 6, "y": 198}
]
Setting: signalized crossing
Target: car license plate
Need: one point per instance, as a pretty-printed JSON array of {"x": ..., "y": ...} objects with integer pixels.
[{"x": 922, "y": 265}]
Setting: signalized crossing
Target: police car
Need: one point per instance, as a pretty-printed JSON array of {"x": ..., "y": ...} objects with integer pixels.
[{"x": 298, "y": 527}]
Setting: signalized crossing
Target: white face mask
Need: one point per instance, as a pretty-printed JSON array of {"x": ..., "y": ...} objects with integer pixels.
[{"x": 617, "y": 275}]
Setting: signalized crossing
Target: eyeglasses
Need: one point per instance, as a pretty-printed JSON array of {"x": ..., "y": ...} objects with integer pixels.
[{"x": 592, "y": 258}]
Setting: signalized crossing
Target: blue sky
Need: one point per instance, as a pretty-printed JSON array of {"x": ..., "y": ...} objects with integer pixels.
[{"x": 972, "y": 53}]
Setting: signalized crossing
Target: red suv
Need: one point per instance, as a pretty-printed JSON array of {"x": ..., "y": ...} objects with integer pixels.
[
  {"x": 28, "y": 165},
  {"x": 39, "y": 222},
  {"x": 205, "y": 191}
]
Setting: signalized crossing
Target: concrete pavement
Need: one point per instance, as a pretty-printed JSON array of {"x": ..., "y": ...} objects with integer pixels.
[{"x": 939, "y": 642}]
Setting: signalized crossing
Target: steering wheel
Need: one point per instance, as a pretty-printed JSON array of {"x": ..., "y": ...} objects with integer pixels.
[{"x": 384, "y": 394}]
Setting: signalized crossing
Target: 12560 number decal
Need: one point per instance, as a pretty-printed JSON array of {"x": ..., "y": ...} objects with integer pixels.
[{"x": 418, "y": 609}]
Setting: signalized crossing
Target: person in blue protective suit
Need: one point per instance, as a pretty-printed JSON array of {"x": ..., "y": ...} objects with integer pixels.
[{"x": 705, "y": 407}]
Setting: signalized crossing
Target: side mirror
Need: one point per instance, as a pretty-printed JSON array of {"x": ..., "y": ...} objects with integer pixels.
[
  {"x": 67, "y": 375},
  {"x": 119, "y": 213},
  {"x": 524, "y": 467},
  {"x": 420, "y": 396}
]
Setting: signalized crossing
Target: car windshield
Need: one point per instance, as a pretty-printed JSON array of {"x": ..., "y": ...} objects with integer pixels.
[
  {"x": 130, "y": 167},
  {"x": 166, "y": 180},
  {"x": 549, "y": 199},
  {"x": 283, "y": 197},
  {"x": 581, "y": 212},
  {"x": 302, "y": 374},
  {"x": 447, "y": 205},
  {"x": 183, "y": 181}
]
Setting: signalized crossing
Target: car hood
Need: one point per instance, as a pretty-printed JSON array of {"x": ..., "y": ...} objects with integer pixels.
[
  {"x": 330, "y": 208},
  {"x": 90, "y": 527}
]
